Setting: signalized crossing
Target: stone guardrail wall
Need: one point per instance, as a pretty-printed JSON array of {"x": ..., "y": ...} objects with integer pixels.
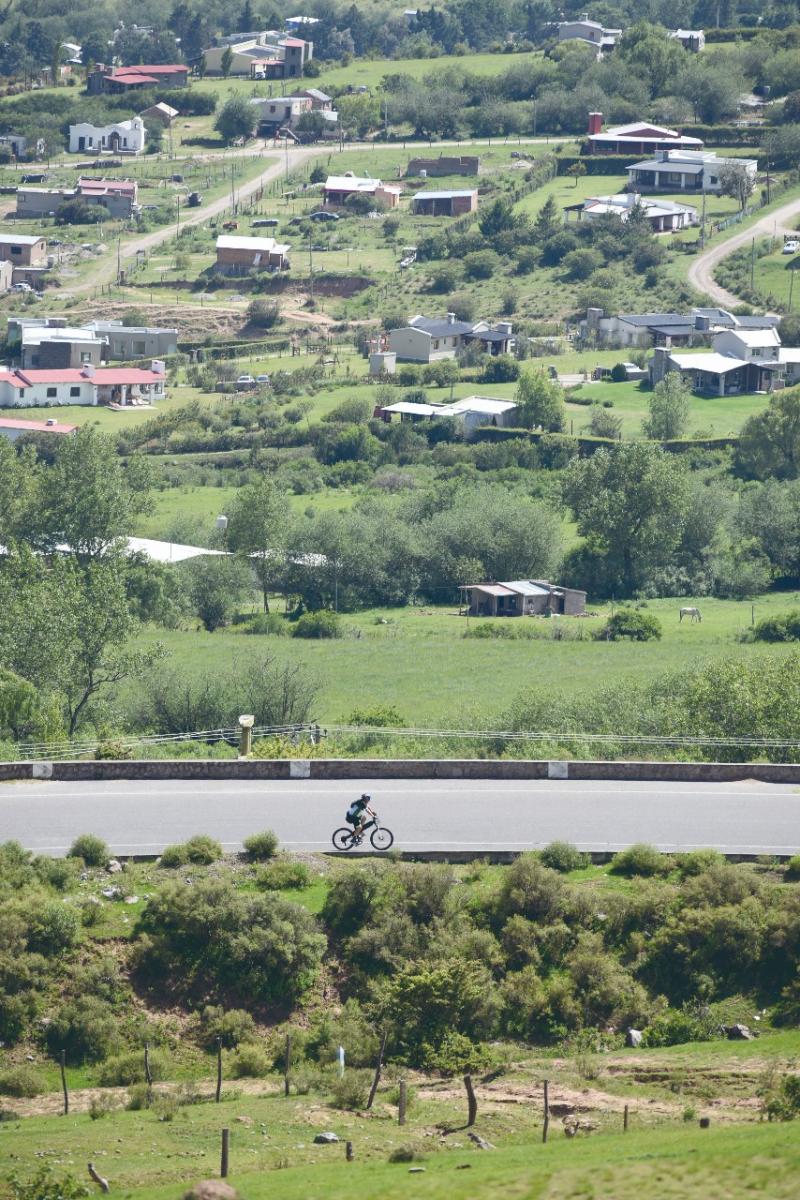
[{"x": 358, "y": 768}]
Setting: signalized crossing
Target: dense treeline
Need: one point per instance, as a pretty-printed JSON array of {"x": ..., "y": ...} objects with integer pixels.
[{"x": 441, "y": 963}]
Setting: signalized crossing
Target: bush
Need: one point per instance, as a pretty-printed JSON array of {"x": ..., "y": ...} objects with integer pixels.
[
  {"x": 618, "y": 373},
  {"x": 100, "y": 1106},
  {"x": 93, "y": 850},
  {"x": 406, "y": 1154},
  {"x": 231, "y": 1027},
  {"x": 174, "y": 856},
  {"x": 58, "y": 873},
  {"x": 481, "y": 264},
  {"x": 261, "y": 846},
  {"x": 792, "y": 868},
  {"x": 784, "y": 1101},
  {"x": 139, "y": 1097},
  {"x": 351, "y": 1090},
  {"x": 249, "y": 1062},
  {"x": 200, "y": 850},
  {"x": 122, "y": 1070},
  {"x": 676, "y": 1027},
  {"x": 85, "y": 1028},
  {"x": 640, "y": 859},
  {"x": 23, "y": 1082},
  {"x": 631, "y": 624},
  {"x": 46, "y": 1185},
  {"x": 263, "y": 313},
  {"x": 782, "y": 628},
  {"x": 283, "y": 874},
  {"x": 320, "y": 624},
  {"x": 563, "y": 857},
  {"x": 266, "y": 625},
  {"x": 52, "y": 927},
  {"x": 697, "y": 862}
]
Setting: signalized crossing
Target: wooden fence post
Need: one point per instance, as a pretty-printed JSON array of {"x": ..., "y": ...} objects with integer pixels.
[
  {"x": 472, "y": 1103},
  {"x": 546, "y": 1122},
  {"x": 223, "y": 1163},
  {"x": 148, "y": 1075},
  {"x": 348, "y": 1151},
  {"x": 63, "y": 1062},
  {"x": 625, "y": 1120},
  {"x": 378, "y": 1067},
  {"x": 219, "y": 1070},
  {"x": 403, "y": 1100},
  {"x": 287, "y": 1064}
]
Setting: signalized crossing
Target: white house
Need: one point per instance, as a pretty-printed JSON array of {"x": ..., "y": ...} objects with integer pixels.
[
  {"x": 740, "y": 361},
  {"x": 584, "y": 30},
  {"x": 89, "y": 385},
  {"x": 662, "y": 215},
  {"x": 279, "y": 112},
  {"x": 692, "y": 40},
  {"x": 339, "y": 188},
  {"x": 470, "y": 413},
  {"x": 124, "y": 137},
  {"x": 429, "y": 339},
  {"x": 684, "y": 171}
]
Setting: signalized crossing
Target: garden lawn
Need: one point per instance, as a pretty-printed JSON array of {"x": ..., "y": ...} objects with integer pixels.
[{"x": 713, "y": 416}]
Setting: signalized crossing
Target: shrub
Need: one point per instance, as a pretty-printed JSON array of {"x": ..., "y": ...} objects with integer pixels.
[
  {"x": 785, "y": 627},
  {"x": 174, "y": 856},
  {"x": 261, "y": 846},
  {"x": 352, "y": 899},
  {"x": 792, "y": 868},
  {"x": 21, "y": 1081},
  {"x": 249, "y": 1062},
  {"x": 115, "y": 751},
  {"x": 266, "y": 625},
  {"x": 283, "y": 874},
  {"x": 122, "y": 1070},
  {"x": 46, "y": 1185},
  {"x": 139, "y": 1096},
  {"x": 320, "y": 624},
  {"x": 100, "y": 1106},
  {"x": 676, "y": 1027},
  {"x": 58, "y": 873},
  {"x": 481, "y": 264},
  {"x": 405, "y": 1154},
  {"x": 563, "y": 857},
  {"x": 631, "y": 624},
  {"x": 85, "y": 1029},
  {"x": 263, "y": 313},
  {"x": 640, "y": 859},
  {"x": 52, "y": 927},
  {"x": 231, "y": 1027},
  {"x": 784, "y": 1102},
  {"x": 618, "y": 373},
  {"x": 200, "y": 850},
  {"x": 444, "y": 278},
  {"x": 351, "y": 1090},
  {"x": 93, "y": 850},
  {"x": 697, "y": 862}
]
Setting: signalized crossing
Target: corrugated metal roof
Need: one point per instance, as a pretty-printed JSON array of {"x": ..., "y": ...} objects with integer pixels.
[
  {"x": 491, "y": 589},
  {"x": 435, "y": 195},
  {"x": 525, "y": 588}
]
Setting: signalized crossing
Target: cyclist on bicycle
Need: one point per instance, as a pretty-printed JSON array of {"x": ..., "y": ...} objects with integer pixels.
[{"x": 356, "y": 815}]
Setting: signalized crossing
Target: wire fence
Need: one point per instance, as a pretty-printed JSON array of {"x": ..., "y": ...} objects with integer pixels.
[{"x": 308, "y": 734}]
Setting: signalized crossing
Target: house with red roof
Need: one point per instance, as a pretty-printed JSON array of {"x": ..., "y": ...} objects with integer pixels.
[
  {"x": 14, "y": 427},
  {"x": 122, "y": 79},
  {"x": 88, "y": 385}
]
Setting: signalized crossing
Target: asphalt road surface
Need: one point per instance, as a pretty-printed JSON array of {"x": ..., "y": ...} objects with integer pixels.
[{"x": 141, "y": 817}]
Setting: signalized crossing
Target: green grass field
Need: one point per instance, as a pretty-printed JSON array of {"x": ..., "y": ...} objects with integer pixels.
[{"x": 712, "y": 416}]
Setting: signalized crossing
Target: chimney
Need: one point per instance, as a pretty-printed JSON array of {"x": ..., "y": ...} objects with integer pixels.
[
  {"x": 595, "y": 123},
  {"x": 451, "y": 318}
]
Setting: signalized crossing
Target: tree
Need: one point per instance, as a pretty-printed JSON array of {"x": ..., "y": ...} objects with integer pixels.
[
  {"x": 736, "y": 181},
  {"x": 630, "y": 504},
  {"x": 548, "y": 221},
  {"x": 669, "y": 409},
  {"x": 497, "y": 218},
  {"x": 18, "y": 703},
  {"x": 226, "y": 62},
  {"x": 576, "y": 171},
  {"x": 769, "y": 443},
  {"x": 235, "y": 119},
  {"x": 604, "y": 424},
  {"x": 19, "y": 479},
  {"x": 215, "y": 587},
  {"x": 541, "y": 401},
  {"x": 88, "y": 498},
  {"x": 257, "y": 526}
]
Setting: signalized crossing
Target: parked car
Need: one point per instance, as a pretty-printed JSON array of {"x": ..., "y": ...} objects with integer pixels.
[
  {"x": 323, "y": 215},
  {"x": 21, "y": 287},
  {"x": 244, "y": 383},
  {"x": 262, "y": 378},
  {"x": 194, "y": 200},
  {"x": 791, "y": 247}
]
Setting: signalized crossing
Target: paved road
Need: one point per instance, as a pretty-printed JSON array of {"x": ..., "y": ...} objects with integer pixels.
[
  {"x": 701, "y": 271},
  {"x": 143, "y": 817}
]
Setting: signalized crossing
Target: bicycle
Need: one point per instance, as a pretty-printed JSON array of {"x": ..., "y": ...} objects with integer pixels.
[{"x": 380, "y": 837}]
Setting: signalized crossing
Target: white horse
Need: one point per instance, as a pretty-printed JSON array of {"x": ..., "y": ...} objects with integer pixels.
[{"x": 692, "y": 613}]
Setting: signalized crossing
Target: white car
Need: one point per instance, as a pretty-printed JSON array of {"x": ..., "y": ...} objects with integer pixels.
[
  {"x": 21, "y": 287},
  {"x": 245, "y": 379},
  {"x": 262, "y": 378},
  {"x": 791, "y": 247}
]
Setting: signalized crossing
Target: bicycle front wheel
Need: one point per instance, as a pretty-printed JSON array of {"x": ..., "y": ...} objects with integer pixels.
[
  {"x": 343, "y": 839},
  {"x": 382, "y": 838}
]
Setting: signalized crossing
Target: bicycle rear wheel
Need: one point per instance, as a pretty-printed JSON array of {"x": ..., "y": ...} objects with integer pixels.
[
  {"x": 343, "y": 839},
  {"x": 382, "y": 838}
]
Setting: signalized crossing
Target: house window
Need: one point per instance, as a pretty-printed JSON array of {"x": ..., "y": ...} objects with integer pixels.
[
  {"x": 712, "y": 179},
  {"x": 16, "y": 250},
  {"x": 436, "y": 343},
  {"x": 75, "y": 391},
  {"x": 52, "y": 393},
  {"x": 86, "y": 356},
  {"x": 674, "y": 177},
  {"x": 138, "y": 347}
]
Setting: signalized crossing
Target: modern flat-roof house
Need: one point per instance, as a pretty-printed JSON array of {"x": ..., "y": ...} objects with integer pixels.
[
  {"x": 522, "y": 598},
  {"x": 638, "y": 137},
  {"x": 444, "y": 204},
  {"x": 48, "y": 348},
  {"x": 664, "y": 329},
  {"x": 339, "y": 188},
  {"x": 692, "y": 40},
  {"x": 683, "y": 171},
  {"x": 278, "y": 112},
  {"x": 29, "y": 337},
  {"x": 445, "y": 164},
  {"x": 235, "y": 255},
  {"x": 471, "y": 413},
  {"x": 584, "y": 30},
  {"x": 125, "y": 342},
  {"x": 663, "y": 216},
  {"x": 428, "y": 339},
  {"x": 123, "y": 137},
  {"x": 268, "y": 54},
  {"x": 89, "y": 385},
  {"x": 123, "y": 79}
]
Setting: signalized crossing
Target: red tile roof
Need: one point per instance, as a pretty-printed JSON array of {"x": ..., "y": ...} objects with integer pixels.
[
  {"x": 36, "y": 426},
  {"x": 113, "y": 376}
]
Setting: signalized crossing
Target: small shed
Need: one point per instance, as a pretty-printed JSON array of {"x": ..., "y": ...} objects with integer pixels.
[
  {"x": 522, "y": 598},
  {"x": 445, "y": 204}
]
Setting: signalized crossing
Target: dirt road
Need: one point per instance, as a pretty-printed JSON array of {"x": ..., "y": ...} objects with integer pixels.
[{"x": 701, "y": 272}]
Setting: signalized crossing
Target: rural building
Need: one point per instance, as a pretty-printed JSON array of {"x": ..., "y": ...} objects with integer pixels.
[
  {"x": 320, "y": 101},
  {"x": 123, "y": 137},
  {"x": 235, "y": 255},
  {"x": 89, "y": 385},
  {"x": 68, "y": 346},
  {"x": 117, "y": 342},
  {"x": 663, "y": 216},
  {"x": 683, "y": 171},
  {"x": 522, "y": 598},
  {"x": 339, "y": 188},
  {"x": 125, "y": 342},
  {"x": 35, "y": 202},
  {"x": 163, "y": 114},
  {"x": 740, "y": 361},
  {"x": 123, "y": 79},
  {"x": 663, "y": 329},
  {"x": 6, "y": 276},
  {"x": 639, "y": 137},
  {"x": 584, "y": 30},
  {"x": 470, "y": 413},
  {"x": 445, "y": 204},
  {"x": 265, "y": 55},
  {"x": 278, "y": 112},
  {"x": 445, "y": 164},
  {"x": 692, "y": 40},
  {"x": 428, "y": 339},
  {"x": 119, "y": 196},
  {"x": 23, "y": 250},
  {"x": 15, "y": 142},
  {"x": 14, "y": 427}
]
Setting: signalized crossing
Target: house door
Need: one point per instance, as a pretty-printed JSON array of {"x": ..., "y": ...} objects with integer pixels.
[
  {"x": 81, "y": 143},
  {"x": 114, "y": 142}
]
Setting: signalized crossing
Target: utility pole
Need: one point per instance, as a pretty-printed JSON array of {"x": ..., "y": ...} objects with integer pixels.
[
  {"x": 752, "y": 263},
  {"x": 177, "y": 214},
  {"x": 791, "y": 287},
  {"x": 119, "y": 251},
  {"x": 286, "y": 147},
  {"x": 534, "y": 116},
  {"x": 311, "y": 264},
  {"x": 703, "y": 223}
]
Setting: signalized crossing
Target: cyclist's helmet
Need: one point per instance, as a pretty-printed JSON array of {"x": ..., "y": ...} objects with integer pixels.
[{"x": 364, "y": 796}]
